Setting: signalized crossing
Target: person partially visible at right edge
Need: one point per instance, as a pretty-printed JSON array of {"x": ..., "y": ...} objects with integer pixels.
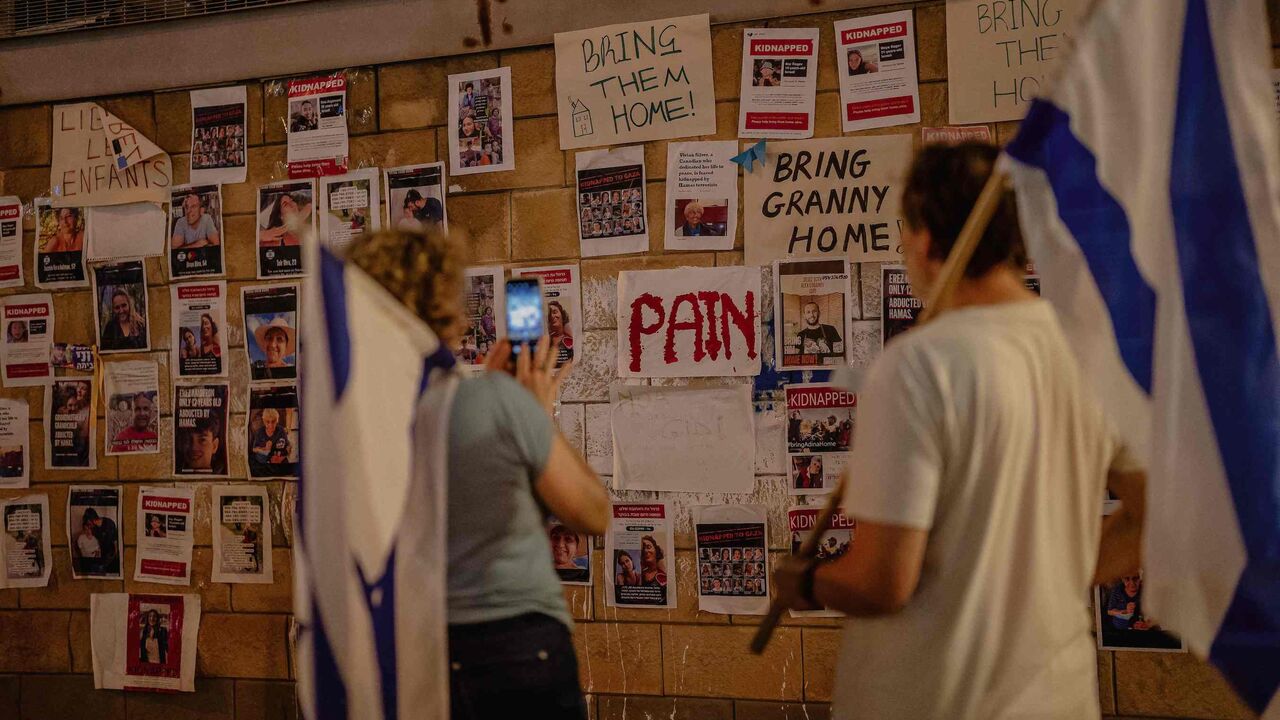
[
  {"x": 976, "y": 479},
  {"x": 510, "y": 649}
]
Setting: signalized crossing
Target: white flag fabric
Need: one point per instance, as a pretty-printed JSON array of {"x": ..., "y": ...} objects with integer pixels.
[{"x": 1148, "y": 186}]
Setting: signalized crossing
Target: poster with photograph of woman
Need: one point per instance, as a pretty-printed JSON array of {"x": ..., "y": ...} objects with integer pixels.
[
  {"x": 93, "y": 530},
  {"x": 59, "y": 246},
  {"x": 273, "y": 426},
  {"x": 133, "y": 407},
  {"x": 480, "y": 120},
  {"x": 415, "y": 197},
  {"x": 198, "y": 315},
  {"x": 69, "y": 438},
  {"x": 563, "y": 295},
  {"x": 120, "y": 291},
  {"x": 636, "y": 549},
  {"x": 286, "y": 214},
  {"x": 195, "y": 231},
  {"x": 144, "y": 642},
  {"x": 1123, "y": 623},
  {"x": 271, "y": 331},
  {"x": 570, "y": 552}
]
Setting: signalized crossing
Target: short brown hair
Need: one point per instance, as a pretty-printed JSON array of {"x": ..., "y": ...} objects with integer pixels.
[{"x": 421, "y": 269}]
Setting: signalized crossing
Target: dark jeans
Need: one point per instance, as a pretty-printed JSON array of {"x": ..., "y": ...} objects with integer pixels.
[{"x": 519, "y": 667}]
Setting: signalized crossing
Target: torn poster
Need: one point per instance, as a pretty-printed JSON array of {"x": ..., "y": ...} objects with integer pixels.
[
  {"x": 611, "y": 202},
  {"x": 638, "y": 548},
  {"x": 93, "y": 531},
  {"x": 779, "y": 82},
  {"x": 876, "y": 62},
  {"x": 733, "y": 559},
  {"x": 819, "y": 436},
  {"x": 198, "y": 315},
  {"x": 98, "y": 159},
  {"x": 133, "y": 407},
  {"x": 219, "y": 152},
  {"x": 28, "y": 339},
  {"x": 241, "y": 534},
  {"x": 15, "y": 444},
  {"x": 144, "y": 642},
  {"x": 702, "y": 196},
  {"x": 166, "y": 531},
  {"x": 317, "y": 126}
]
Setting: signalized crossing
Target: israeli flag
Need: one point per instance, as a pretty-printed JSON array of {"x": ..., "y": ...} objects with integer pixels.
[
  {"x": 1148, "y": 189},
  {"x": 369, "y": 561}
]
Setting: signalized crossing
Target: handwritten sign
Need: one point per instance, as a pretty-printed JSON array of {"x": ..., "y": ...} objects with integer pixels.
[
  {"x": 829, "y": 198},
  {"x": 99, "y": 159},
  {"x": 689, "y": 322},
  {"x": 633, "y": 82},
  {"x": 1000, "y": 52}
]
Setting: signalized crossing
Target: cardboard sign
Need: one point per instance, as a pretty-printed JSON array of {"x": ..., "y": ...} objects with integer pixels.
[
  {"x": 99, "y": 159},
  {"x": 633, "y": 82},
  {"x": 689, "y": 322}
]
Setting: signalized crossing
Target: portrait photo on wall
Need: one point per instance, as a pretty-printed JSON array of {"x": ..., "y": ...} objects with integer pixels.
[
  {"x": 286, "y": 213},
  {"x": 93, "y": 527},
  {"x": 271, "y": 331},
  {"x": 698, "y": 217},
  {"x": 1124, "y": 624},
  {"x": 195, "y": 231},
  {"x": 120, "y": 291},
  {"x": 273, "y": 427},
  {"x": 59, "y": 245},
  {"x": 69, "y": 443},
  {"x": 571, "y": 553},
  {"x": 812, "y": 313},
  {"x": 200, "y": 430}
]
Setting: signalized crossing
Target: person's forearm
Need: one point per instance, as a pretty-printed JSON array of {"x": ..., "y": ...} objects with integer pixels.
[
  {"x": 1120, "y": 552},
  {"x": 843, "y": 591}
]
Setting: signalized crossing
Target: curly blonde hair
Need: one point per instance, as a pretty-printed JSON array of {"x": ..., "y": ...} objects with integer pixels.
[{"x": 422, "y": 269}]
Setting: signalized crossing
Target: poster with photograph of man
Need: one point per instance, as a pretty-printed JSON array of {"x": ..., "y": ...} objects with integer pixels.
[
  {"x": 286, "y": 214},
  {"x": 59, "y": 246},
  {"x": 241, "y": 534},
  {"x": 570, "y": 552},
  {"x": 484, "y": 308},
  {"x": 26, "y": 552},
  {"x": 198, "y": 315},
  {"x": 480, "y": 118},
  {"x": 15, "y": 444},
  {"x": 218, "y": 147},
  {"x": 120, "y": 291},
  {"x": 820, "y": 424},
  {"x": 349, "y": 208},
  {"x": 415, "y": 197},
  {"x": 812, "y": 317},
  {"x": 317, "y": 126},
  {"x": 93, "y": 531},
  {"x": 271, "y": 331},
  {"x": 636, "y": 547},
  {"x": 69, "y": 438},
  {"x": 200, "y": 430},
  {"x": 133, "y": 407},
  {"x": 733, "y": 559},
  {"x": 144, "y": 642},
  {"x": 273, "y": 425},
  {"x": 195, "y": 231},
  {"x": 1123, "y": 623}
]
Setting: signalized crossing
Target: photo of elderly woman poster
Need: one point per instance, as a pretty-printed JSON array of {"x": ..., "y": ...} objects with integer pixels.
[
  {"x": 286, "y": 214},
  {"x": 271, "y": 331},
  {"x": 639, "y": 554},
  {"x": 120, "y": 291},
  {"x": 273, "y": 431},
  {"x": 59, "y": 246},
  {"x": 480, "y": 121},
  {"x": 571, "y": 553}
]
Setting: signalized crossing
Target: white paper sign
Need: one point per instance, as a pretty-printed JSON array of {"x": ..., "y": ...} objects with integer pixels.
[
  {"x": 144, "y": 642},
  {"x": 11, "y": 274},
  {"x": 876, "y": 61},
  {"x": 611, "y": 201},
  {"x": 15, "y": 443},
  {"x": 133, "y": 408},
  {"x": 683, "y": 439},
  {"x": 131, "y": 230},
  {"x": 219, "y": 153},
  {"x": 689, "y": 322},
  {"x": 779, "y": 82},
  {"x": 480, "y": 122},
  {"x": 349, "y": 208},
  {"x": 639, "y": 551},
  {"x": 317, "y": 126},
  {"x": 166, "y": 531},
  {"x": 633, "y": 82},
  {"x": 241, "y": 534},
  {"x": 702, "y": 196},
  {"x": 733, "y": 559},
  {"x": 28, "y": 340},
  {"x": 25, "y": 542}
]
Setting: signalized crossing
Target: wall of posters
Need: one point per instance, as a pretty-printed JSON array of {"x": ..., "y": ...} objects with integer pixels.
[
  {"x": 271, "y": 331},
  {"x": 779, "y": 82},
  {"x": 819, "y": 436},
  {"x": 11, "y": 274},
  {"x": 812, "y": 309},
  {"x": 876, "y": 63},
  {"x": 286, "y": 214},
  {"x": 899, "y": 308},
  {"x": 480, "y": 122},
  {"x": 272, "y": 435},
  {"x": 563, "y": 294},
  {"x": 28, "y": 336},
  {"x": 415, "y": 197},
  {"x": 93, "y": 531},
  {"x": 484, "y": 306},
  {"x": 200, "y": 430},
  {"x": 836, "y": 541},
  {"x": 99, "y": 159},
  {"x": 118, "y": 232},
  {"x": 219, "y": 152},
  {"x": 702, "y": 196},
  {"x": 144, "y": 642},
  {"x": 241, "y": 534},
  {"x": 133, "y": 407},
  {"x": 59, "y": 246},
  {"x": 570, "y": 553},
  {"x": 15, "y": 444},
  {"x": 826, "y": 198},
  {"x": 689, "y": 322},
  {"x": 317, "y": 126},
  {"x": 120, "y": 294},
  {"x": 349, "y": 208},
  {"x": 166, "y": 532},
  {"x": 195, "y": 231},
  {"x": 633, "y": 82},
  {"x": 25, "y": 544},
  {"x": 639, "y": 554},
  {"x": 611, "y": 201},
  {"x": 198, "y": 315},
  {"x": 69, "y": 442},
  {"x": 733, "y": 559}
]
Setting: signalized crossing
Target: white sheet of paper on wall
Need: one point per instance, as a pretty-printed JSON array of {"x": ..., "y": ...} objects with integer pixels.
[{"x": 133, "y": 230}]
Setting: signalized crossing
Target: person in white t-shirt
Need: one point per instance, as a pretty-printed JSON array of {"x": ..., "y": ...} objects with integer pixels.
[{"x": 976, "y": 480}]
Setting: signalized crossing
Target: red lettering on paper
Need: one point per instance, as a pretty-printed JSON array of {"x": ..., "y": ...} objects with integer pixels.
[
  {"x": 745, "y": 322},
  {"x": 669, "y": 350},
  {"x": 637, "y": 326},
  {"x": 875, "y": 32},
  {"x": 781, "y": 47},
  {"x": 709, "y": 299}
]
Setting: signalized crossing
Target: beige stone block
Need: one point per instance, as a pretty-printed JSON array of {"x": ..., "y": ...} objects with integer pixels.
[
  {"x": 214, "y": 597},
  {"x": 613, "y": 707},
  {"x": 539, "y": 161},
  {"x": 706, "y": 661},
  {"x": 821, "y": 648},
  {"x": 1173, "y": 684},
  {"x": 934, "y": 110},
  {"x": 276, "y": 596},
  {"x": 826, "y": 121},
  {"x": 1106, "y": 681},
  {"x": 757, "y": 710},
  {"x": 1005, "y": 131},
  {"x": 485, "y": 218},
  {"x": 69, "y": 697},
  {"x": 931, "y": 41},
  {"x": 619, "y": 658},
  {"x": 544, "y": 224},
  {"x": 243, "y": 646},
  {"x": 533, "y": 76},
  {"x": 74, "y": 317},
  {"x": 392, "y": 149},
  {"x": 28, "y": 184},
  {"x": 415, "y": 95},
  {"x": 34, "y": 642},
  {"x": 266, "y": 165},
  {"x": 240, "y": 248},
  {"x": 137, "y": 110},
  {"x": 173, "y": 121},
  {"x": 81, "y": 643},
  {"x": 25, "y": 135},
  {"x": 726, "y": 59},
  {"x": 213, "y": 698},
  {"x": 261, "y": 700},
  {"x": 64, "y": 593},
  {"x": 9, "y": 599},
  {"x": 106, "y": 466}
]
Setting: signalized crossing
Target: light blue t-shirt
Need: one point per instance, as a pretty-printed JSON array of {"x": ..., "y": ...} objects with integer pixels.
[{"x": 500, "y": 562}]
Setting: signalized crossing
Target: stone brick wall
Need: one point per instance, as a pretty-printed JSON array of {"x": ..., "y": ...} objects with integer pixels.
[{"x": 680, "y": 663}]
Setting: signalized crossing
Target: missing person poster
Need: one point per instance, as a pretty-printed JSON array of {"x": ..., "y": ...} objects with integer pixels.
[
  {"x": 93, "y": 531},
  {"x": 15, "y": 444},
  {"x": 733, "y": 559},
  {"x": 876, "y": 63},
  {"x": 484, "y": 308},
  {"x": 198, "y": 314},
  {"x": 120, "y": 292},
  {"x": 349, "y": 208},
  {"x": 219, "y": 153},
  {"x": 899, "y": 308},
  {"x": 819, "y": 436},
  {"x": 271, "y": 331},
  {"x": 955, "y": 134},
  {"x": 166, "y": 531},
  {"x": 317, "y": 126},
  {"x": 11, "y": 274},
  {"x": 27, "y": 546},
  {"x": 241, "y": 534},
  {"x": 480, "y": 122},
  {"x": 836, "y": 540},
  {"x": 144, "y": 642},
  {"x": 59, "y": 246},
  {"x": 611, "y": 204},
  {"x": 702, "y": 196},
  {"x": 812, "y": 312},
  {"x": 827, "y": 198},
  {"x": 415, "y": 197},
  {"x": 273, "y": 425},
  {"x": 286, "y": 214},
  {"x": 28, "y": 338},
  {"x": 195, "y": 231},
  {"x": 200, "y": 430},
  {"x": 563, "y": 295},
  {"x": 69, "y": 356},
  {"x": 779, "y": 82},
  {"x": 633, "y": 82},
  {"x": 69, "y": 438},
  {"x": 1123, "y": 623},
  {"x": 133, "y": 407},
  {"x": 570, "y": 552},
  {"x": 637, "y": 550}
]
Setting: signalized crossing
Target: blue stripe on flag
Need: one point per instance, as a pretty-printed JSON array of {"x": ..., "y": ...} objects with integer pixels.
[
  {"x": 1100, "y": 228},
  {"x": 330, "y": 701},
  {"x": 333, "y": 290},
  {"x": 380, "y": 599},
  {"x": 1235, "y": 348}
]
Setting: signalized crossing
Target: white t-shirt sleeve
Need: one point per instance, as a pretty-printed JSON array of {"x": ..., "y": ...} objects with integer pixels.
[{"x": 896, "y": 463}]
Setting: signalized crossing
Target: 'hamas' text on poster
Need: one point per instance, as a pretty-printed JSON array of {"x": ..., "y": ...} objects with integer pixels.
[
  {"x": 899, "y": 308},
  {"x": 133, "y": 407},
  {"x": 69, "y": 437}
]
